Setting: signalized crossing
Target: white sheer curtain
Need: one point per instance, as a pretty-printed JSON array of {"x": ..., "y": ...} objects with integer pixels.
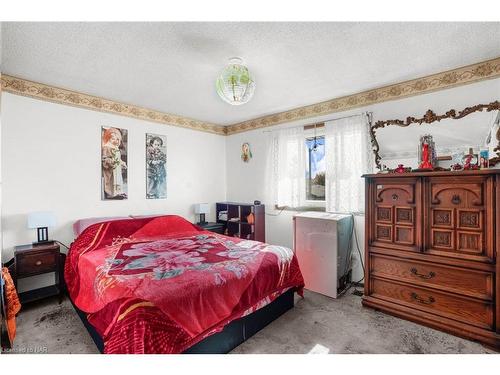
[
  {"x": 348, "y": 156},
  {"x": 287, "y": 167}
]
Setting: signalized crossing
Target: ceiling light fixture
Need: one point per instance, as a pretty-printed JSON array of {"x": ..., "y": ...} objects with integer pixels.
[{"x": 235, "y": 85}]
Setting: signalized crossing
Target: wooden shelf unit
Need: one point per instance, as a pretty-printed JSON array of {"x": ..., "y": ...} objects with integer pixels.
[{"x": 239, "y": 226}]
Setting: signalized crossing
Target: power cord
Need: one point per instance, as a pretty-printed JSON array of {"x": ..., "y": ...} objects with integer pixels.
[
  {"x": 279, "y": 213},
  {"x": 349, "y": 251},
  {"x": 60, "y": 243},
  {"x": 356, "y": 283},
  {"x": 360, "y": 256}
]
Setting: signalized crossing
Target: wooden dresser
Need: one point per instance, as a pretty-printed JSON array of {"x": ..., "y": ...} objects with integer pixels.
[{"x": 431, "y": 250}]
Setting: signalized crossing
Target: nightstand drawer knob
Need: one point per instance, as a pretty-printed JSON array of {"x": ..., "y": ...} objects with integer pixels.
[{"x": 38, "y": 262}]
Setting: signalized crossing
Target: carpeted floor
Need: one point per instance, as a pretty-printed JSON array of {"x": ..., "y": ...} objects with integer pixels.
[{"x": 317, "y": 324}]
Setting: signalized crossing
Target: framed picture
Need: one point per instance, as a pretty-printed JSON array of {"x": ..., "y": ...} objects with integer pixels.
[
  {"x": 113, "y": 163},
  {"x": 156, "y": 166}
]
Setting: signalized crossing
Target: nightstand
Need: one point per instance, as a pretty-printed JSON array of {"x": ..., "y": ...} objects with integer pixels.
[
  {"x": 31, "y": 260},
  {"x": 213, "y": 227}
]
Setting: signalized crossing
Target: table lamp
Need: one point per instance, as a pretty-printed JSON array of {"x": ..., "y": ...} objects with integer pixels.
[
  {"x": 201, "y": 209},
  {"x": 41, "y": 221}
]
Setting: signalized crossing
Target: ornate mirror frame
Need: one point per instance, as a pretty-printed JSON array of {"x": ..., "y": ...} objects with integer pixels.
[{"x": 431, "y": 117}]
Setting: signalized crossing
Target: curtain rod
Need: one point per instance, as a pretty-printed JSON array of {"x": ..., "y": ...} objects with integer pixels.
[{"x": 368, "y": 113}]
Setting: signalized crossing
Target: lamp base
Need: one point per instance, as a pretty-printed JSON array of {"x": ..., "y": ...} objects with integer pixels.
[
  {"x": 43, "y": 243},
  {"x": 202, "y": 220}
]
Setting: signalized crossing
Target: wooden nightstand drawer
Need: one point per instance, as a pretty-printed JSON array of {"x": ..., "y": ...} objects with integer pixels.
[
  {"x": 31, "y": 260},
  {"x": 37, "y": 263}
]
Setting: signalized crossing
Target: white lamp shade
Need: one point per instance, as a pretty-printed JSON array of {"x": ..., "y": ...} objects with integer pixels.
[
  {"x": 201, "y": 208},
  {"x": 41, "y": 219}
]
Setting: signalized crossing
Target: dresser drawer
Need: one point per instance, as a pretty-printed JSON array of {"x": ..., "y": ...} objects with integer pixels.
[
  {"x": 460, "y": 218},
  {"x": 474, "y": 312},
  {"x": 395, "y": 214},
  {"x": 472, "y": 283},
  {"x": 36, "y": 263}
]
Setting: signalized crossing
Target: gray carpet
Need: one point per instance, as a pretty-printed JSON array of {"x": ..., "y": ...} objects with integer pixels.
[{"x": 317, "y": 324}]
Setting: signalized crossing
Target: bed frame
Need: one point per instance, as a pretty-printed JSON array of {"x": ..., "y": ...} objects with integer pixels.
[{"x": 235, "y": 333}]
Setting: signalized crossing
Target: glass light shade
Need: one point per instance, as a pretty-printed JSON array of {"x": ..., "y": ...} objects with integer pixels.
[{"x": 235, "y": 85}]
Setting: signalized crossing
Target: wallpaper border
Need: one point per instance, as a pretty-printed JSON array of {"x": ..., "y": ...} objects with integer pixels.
[
  {"x": 481, "y": 71},
  {"x": 20, "y": 86}
]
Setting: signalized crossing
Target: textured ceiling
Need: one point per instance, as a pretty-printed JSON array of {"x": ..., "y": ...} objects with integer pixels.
[{"x": 172, "y": 67}]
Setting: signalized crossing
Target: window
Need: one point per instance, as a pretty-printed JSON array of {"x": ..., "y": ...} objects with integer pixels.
[
  {"x": 319, "y": 166},
  {"x": 315, "y": 168}
]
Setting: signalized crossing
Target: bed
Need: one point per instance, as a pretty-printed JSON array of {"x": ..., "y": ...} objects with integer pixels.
[{"x": 163, "y": 285}]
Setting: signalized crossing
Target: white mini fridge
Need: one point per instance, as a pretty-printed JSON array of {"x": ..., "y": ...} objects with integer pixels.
[{"x": 321, "y": 244}]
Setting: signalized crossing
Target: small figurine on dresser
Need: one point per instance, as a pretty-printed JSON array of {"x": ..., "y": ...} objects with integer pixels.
[
  {"x": 470, "y": 160},
  {"x": 384, "y": 169},
  {"x": 402, "y": 169},
  {"x": 484, "y": 159},
  {"x": 427, "y": 152},
  {"x": 457, "y": 161}
]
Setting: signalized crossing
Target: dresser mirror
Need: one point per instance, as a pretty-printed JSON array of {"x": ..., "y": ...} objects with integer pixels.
[{"x": 455, "y": 133}]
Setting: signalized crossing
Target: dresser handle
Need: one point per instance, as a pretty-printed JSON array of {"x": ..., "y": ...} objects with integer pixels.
[
  {"x": 38, "y": 263},
  {"x": 455, "y": 199},
  {"x": 394, "y": 197},
  {"x": 422, "y": 276},
  {"x": 417, "y": 298}
]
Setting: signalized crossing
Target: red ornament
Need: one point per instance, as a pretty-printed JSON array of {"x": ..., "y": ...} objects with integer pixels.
[
  {"x": 426, "y": 164},
  {"x": 400, "y": 169}
]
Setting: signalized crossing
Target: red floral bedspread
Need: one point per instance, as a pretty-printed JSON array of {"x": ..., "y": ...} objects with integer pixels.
[{"x": 159, "y": 285}]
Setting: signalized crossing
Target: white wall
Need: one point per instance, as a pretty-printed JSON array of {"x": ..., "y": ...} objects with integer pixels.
[
  {"x": 247, "y": 181},
  {"x": 51, "y": 161}
]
